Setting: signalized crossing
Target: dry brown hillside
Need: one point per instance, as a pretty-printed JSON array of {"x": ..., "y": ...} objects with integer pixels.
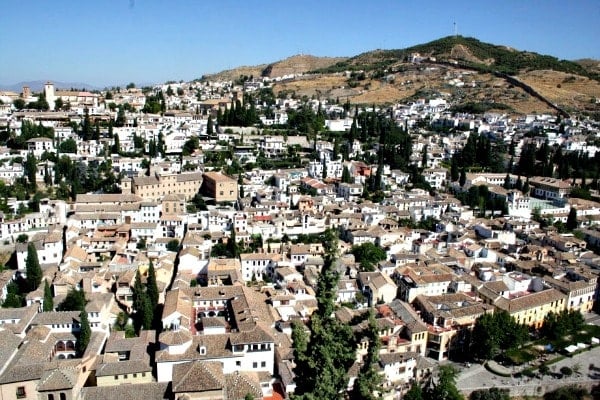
[
  {"x": 415, "y": 82},
  {"x": 571, "y": 92},
  {"x": 297, "y": 64},
  {"x": 300, "y": 64},
  {"x": 590, "y": 65},
  {"x": 461, "y": 69}
]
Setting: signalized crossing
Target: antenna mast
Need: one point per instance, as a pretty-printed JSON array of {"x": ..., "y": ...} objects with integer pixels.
[{"x": 455, "y": 29}]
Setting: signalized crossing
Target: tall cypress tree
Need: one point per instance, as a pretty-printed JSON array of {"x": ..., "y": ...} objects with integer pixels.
[
  {"x": 85, "y": 333},
  {"x": 232, "y": 245},
  {"x": 369, "y": 381},
  {"x": 151, "y": 286},
  {"x": 572, "y": 219},
  {"x": 48, "y": 299},
  {"x": 323, "y": 361},
  {"x": 346, "y": 178},
  {"x": 147, "y": 312},
  {"x": 138, "y": 292},
  {"x": 209, "y": 126},
  {"x": 32, "y": 268}
]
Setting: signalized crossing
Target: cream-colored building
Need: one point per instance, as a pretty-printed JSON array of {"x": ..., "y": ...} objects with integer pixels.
[
  {"x": 157, "y": 186},
  {"x": 126, "y": 360},
  {"x": 531, "y": 308}
]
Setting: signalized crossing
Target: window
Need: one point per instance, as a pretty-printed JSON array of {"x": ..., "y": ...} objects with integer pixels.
[
  {"x": 238, "y": 363},
  {"x": 50, "y": 396},
  {"x": 263, "y": 364},
  {"x": 143, "y": 374},
  {"x": 116, "y": 377},
  {"x": 63, "y": 396},
  {"x": 254, "y": 365},
  {"x": 21, "y": 392}
]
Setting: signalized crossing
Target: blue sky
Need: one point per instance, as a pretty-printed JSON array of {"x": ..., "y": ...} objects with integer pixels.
[{"x": 109, "y": 42}]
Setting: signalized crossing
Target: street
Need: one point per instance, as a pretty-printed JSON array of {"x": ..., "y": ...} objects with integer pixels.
[{"x": 477, "y": 377}]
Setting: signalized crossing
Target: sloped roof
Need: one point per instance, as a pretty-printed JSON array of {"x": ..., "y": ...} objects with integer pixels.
[
  {"x": 58, "y": 379},
  {"x": 198, "y": 377}
]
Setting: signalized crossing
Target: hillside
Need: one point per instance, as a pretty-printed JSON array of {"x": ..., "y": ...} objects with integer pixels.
[
  {"x": 592, "y": 66},
  {"x": 459, "y": 68},
  {"x": 466, "y": 51},
  {"x": 297, "y": 64}
]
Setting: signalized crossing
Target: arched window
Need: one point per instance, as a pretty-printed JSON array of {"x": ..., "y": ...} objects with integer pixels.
[
  {"x": 63, "y": 396},
  {"x": 50, "y": 397}
]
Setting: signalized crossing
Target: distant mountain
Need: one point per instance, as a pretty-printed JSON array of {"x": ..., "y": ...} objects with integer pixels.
[{"x": 37, "y": 86}]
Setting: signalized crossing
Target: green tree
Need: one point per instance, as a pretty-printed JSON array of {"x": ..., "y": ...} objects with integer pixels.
[
  {"x": 151, "y": 286},
  {"x": 567, "y": 393},
  {"x": 346, "y": 177},
  {"x": 414, "y": 393},
  {"x": 209, "y": 126},
  {"x": 490, "y": 394},
  {"x": 368, "y": 255},
  {"x": 572, "y": 219},
  {"x": 463, "y": 178},
  {"x": 173, "y": 245},
  {"x": 507, "y": 184},
  {"x": 566, "y": 371},
  {"x": 48, "y": 299},
  {"x": 85, "y": 333},
  {"x": 138, "y": 292},
  {"x": 75, "y": 300},
  {"x": 58, "y": 104},
  {"x": 30, "y": 168},
  {"x": 454, "y": 172},
  {"x": 33, "y": 270},
  {"x": 19, "y": 104},
  {"x": 322, "y": 362},
  {"x": 116, "y": 147},
  {"x": 496, "y": 332},
  {"x": 147, "y": 312},
  {"x": 368, "y": 384},
  {"x": 526, "y": 187},
  {"x": 190, "y": 145},
  {"x": 121, "y": 119},
  {"x": 232, "y": 246},
  {"x": 14, "y": 299},
  {"x": 558, "y": 325},
  {"x": 68, "y": 146},
  {"x": 445, "y": 389}
]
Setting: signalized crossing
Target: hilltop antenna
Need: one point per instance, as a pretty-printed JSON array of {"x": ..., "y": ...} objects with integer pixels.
[{"x": 455, "y": 29}]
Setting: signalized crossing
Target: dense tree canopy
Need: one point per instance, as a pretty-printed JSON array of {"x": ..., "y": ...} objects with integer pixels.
[
  {"x": 557, "y": 325},
  {"x": 368, "y": 255},
  {"x": 496, "y": 332}
]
